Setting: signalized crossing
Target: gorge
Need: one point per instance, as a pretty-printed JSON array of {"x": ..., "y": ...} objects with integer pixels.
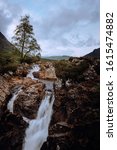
[
  {"x": 39, "y": 113},
  {"x": 37, "y": 132}
]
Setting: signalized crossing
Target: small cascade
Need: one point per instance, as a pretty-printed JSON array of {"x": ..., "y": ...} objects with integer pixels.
[
  {"x": 12, "y": 100},
  {"x": 35, "y": 68},
  {"x": 37, "y": 132}
]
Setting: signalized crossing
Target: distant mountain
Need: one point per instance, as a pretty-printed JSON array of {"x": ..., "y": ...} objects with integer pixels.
[
  {"x": 64, "y": 57},
  {"x": 4, "y": 43},
  {"x": 95, "y": 53}
]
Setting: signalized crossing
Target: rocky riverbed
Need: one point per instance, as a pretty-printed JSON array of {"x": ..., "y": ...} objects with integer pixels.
[{"x": 75, "y": 120}]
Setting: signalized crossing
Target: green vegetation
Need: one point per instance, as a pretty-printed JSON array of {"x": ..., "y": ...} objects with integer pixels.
[
  {"x": 9, "y": 60},
  {"x": 23, "y": 49},
  {"x": 64, "y": 57},
  {"x": 72, "y": 71},
  {"x": 24, "y": 39}
]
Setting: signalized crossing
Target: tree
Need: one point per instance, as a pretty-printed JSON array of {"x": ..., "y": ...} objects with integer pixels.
[{"x": 24, "y": 38}]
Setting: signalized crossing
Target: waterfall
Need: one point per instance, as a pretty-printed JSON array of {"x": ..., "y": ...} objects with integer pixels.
[
  {"x": 12, "y": 100},
  {"x": 10, "y": 104},
  {"x": 35, "y": 68},
  {"x": 37, "y": 132}
]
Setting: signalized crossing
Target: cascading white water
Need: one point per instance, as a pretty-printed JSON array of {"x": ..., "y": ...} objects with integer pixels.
[
  {"x": 12, "y": 100},
  {"x": 37, "y": 132},
  {"x": 35, "y": 68}
]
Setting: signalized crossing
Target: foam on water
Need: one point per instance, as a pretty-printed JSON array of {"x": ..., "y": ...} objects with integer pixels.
[
  {"x": 37, "y": 132},
  {"x": 12, "y": 100},
  {"x": 35, "y": 68}
]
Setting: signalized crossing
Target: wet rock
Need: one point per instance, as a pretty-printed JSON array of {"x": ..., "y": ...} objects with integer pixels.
[
  {"x": 28, "y": 100},
  {"x": 22, "y": 70},
  {"x": 4, "y": 91},
  {"x": 14, "y": 81},
  {"x": 36, "y": 74},
  {"x": 12, "y": 129},
  {"x": 47, "y": 72},
  {"x": 75, "y": 121}
]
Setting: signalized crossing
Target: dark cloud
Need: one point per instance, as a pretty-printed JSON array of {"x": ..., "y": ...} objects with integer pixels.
[
  {"x": 63, "y": 24},
  {"x": 56, "y": 24},
  {"x": 8, "y": 13}
]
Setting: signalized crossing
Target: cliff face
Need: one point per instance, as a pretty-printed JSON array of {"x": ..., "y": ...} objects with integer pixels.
[{"x": 4, "y": 43}]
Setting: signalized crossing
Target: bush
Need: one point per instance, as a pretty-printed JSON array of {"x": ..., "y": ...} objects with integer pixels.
[
  {"x": 67, "y": 70},
  {"x": 31, "y": 59},
  {"x": 9, "y": 61}
]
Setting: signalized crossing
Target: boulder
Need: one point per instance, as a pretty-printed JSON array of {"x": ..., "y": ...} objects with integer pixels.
[
  {"x": 47, "y": 72},
  {"x": 22, "y": 70},
  {"x": 25, "y": 82},
  {"x": 28, "y": 100},
  {"x": 36, "y": 74}
]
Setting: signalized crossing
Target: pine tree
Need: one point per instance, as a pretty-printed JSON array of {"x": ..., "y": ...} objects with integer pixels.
[{"x": 24, "y": 38}]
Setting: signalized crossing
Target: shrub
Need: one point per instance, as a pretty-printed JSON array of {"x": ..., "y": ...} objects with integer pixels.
[
  {"x": 9, "y": 61},
  {"x": 67, "y": 70}
]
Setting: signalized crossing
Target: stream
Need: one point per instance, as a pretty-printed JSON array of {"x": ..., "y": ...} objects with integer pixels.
[{"x": 37, "y": 132}]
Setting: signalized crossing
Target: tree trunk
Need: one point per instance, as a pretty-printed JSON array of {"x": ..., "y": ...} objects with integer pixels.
[{"x": 22, "y": 49}]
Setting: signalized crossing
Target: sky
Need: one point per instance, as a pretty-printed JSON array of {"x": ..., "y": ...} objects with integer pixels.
[{"x": 61, "y": 27}]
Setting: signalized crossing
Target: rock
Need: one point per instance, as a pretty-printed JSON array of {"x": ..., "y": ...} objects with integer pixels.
[
  {"x": 12, "y": 129},
  {"x": 22, "y": 70},
  {"x": 14, "y": 81},
  {"x": 28, "y": 100},
  {"x": 47, "y": 72},
  {"x": 36, "y": 74},
  {"x": 75, "y": 118},
  {"x": 4, "y": 91}
]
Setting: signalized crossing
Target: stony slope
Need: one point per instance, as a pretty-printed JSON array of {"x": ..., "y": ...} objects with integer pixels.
[
  {"x": 95, "y": 53},
  {"x": 4, "y": 43}
]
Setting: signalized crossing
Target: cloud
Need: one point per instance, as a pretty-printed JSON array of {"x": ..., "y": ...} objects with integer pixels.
[
  {"x": 72, "y": 24},
  {"x": 63, "y": 27},
  {"x": 8, "y": 15},
  {"x": 64, "y": 22}
]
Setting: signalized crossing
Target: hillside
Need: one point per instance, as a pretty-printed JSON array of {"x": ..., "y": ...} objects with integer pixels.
[
  {"x": 4, "y": 43},
  {"x": 95, "y": 53},
  {"x": 9, "y": 56},
  {"x": 64, "y": 57}
]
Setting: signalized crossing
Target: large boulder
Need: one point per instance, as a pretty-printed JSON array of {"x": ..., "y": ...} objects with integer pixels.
[
  {"x": 28, "y": 100},
  {"x": 47, "y": 72},
  {"x": 22, "y": 70}
]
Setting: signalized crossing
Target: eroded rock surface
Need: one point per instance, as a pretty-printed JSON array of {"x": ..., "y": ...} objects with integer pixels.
[
  {"x": 12, "y": 129},
  {"x": 28, "y": 100},
  {"x": 76, "y": 118},
  {"x": 4, "y": 91},
  {"x": 47, "y": 72}
]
